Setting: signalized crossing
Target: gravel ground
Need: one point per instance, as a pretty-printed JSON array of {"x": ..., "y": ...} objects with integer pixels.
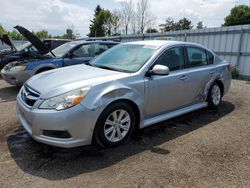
[{"x": 201, "y": 149}]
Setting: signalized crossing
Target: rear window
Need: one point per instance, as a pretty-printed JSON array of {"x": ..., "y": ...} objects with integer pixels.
[{"x": 198, "y": 57}]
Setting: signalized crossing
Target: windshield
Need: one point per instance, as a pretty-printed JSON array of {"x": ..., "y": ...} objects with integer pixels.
[
  {"x": 63, "y": 49},
  {"x": 124, "y": 57}
]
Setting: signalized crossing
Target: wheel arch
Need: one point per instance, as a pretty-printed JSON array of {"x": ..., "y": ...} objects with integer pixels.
[
  {"x": 45, "y": 68},
  {"x": 135, "y": 108},
  {"x": 221, "y": 85}
]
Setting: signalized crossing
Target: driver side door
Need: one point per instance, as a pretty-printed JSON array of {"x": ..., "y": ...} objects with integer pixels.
[
  {"x": 166, "y": 93},
  {"x": 79, "y": 55}
]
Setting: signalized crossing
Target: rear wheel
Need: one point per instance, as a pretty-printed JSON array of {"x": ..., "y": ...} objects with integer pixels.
[
  {"x": 115, "y": 125},
  {"x": 214, "y": 96}
]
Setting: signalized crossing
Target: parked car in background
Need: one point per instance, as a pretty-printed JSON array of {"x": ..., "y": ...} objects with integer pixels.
[
  {"x": 9, "y": 47},
  {"x": 34, "y": 48},
  {"x": 71, "y": 53},
  {"x": 130, "y": 86}
]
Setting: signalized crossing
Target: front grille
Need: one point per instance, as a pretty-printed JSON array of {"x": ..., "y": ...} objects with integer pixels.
[{"x": 29, "y": 96}]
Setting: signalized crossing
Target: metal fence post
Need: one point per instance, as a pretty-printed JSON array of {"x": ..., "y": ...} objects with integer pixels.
[
  {"x": 239, "y": 47},
  {"x": 185, "y": 37}
]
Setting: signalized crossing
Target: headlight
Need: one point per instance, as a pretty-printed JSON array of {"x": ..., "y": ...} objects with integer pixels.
[
  {"x": 65, "y": 100},
  {"x": 18, "y": 68}
]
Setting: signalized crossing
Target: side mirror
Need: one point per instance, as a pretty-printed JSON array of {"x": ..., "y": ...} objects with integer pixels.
[{"x": 159, "y": 70}]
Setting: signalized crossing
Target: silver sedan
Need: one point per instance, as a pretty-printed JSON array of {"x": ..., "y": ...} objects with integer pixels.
[{"x": 133, "y": 85}]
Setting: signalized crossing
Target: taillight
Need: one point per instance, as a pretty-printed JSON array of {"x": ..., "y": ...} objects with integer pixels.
[{"x": 229, "y": 67}]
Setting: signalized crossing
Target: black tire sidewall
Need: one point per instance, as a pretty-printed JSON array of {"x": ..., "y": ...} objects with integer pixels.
[
  {"x": 210, "y": 101},
  {"x": 99, "y": 137}
]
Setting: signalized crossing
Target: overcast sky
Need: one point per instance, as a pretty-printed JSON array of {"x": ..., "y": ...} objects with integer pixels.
[{"x": 56, "y": 15}]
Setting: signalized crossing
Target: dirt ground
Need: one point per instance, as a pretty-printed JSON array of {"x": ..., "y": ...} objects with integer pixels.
[{"x": 201, "y": 149}]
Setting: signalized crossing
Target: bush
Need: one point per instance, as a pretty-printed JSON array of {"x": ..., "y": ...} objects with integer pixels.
[{"x": 235, "y": 73}]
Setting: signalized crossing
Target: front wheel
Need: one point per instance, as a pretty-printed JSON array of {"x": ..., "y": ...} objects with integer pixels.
[
  {"x": 115, "y": 125},
  {"x": 214, "y": 96}
]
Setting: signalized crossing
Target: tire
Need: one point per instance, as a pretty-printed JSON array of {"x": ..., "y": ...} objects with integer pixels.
[
  {"x": 118, "y": 130},
  {"x": 214, "y": 96}
]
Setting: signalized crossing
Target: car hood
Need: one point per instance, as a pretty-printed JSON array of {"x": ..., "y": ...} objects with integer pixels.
[
  {"x": 61, "y": 80},
  {"x": 33, "y": 39},
  {"x": 5, "y": 39}
]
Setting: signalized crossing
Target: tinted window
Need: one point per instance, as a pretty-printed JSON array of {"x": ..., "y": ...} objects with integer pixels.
[
  {"x": 100, "y": 48},
  {"x": 196, "y": 57},
  {"x": 172, "y": 58},
  {"x": 63, "y": 49},
  {"x": 84, "y": 51},
  {"x": 210, "y": 57}
]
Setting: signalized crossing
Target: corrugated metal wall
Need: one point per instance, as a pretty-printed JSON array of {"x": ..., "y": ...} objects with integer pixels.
[{"x": 230, "y": 43}]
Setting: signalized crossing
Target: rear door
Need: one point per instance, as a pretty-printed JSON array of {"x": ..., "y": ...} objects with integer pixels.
[
  {"x": 81, "y": 54},
  {"x": 198, "y": 72}
]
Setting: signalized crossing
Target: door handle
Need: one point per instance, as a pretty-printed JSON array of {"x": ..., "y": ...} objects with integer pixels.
[
  {"x": 212, "y": 72},
  {"x": 183, "y": 78}
]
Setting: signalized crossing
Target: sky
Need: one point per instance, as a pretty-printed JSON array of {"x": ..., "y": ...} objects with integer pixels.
[{"x": 56, "y": 15}]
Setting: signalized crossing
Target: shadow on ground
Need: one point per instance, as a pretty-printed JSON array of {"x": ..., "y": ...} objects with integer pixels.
[
  {"x": 8, "y": 93},
  {"x": 56, "y": 163}
]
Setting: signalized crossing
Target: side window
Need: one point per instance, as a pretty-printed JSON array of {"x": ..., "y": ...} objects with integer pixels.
[
  {"x": 84, "y": 51},
  {"x": 48, "y": 43},
  {"x": 110, "y": 45},
  {"x": 32, "y": 49},
  {"x": 196, "y": 57},
  {"x": 100, "y": 48},
  {"x": 173, "y": 58},
  {"x": 210, "y": 58}
]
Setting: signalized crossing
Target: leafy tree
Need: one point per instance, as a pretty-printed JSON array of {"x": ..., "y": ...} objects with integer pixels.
[
  {"x": 42, "y": 34},
  {"x": 239, "y": 15},
  {"x": 170, "y": 24},
  {"x": 93, "y": 28},
  {"x": 69, "y": 33},
  {"x": 183, "y": 24},
  {"x": 15, "y": 35},
  {"x": 152, "y": 30},
  {"x": 102, "y": 24},
  {"x": 2, "y": 30},
  {"x": 200, "y": 25}
]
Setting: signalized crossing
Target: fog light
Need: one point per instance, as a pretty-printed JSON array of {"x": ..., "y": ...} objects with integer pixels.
[{"x": 57, "y": 134}]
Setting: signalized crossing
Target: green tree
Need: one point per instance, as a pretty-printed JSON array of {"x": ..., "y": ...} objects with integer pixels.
[
  {"x": 102, "y": 24},
  {"x": 42, "y": 34},
  {"x": 15, "y": 35},
  {"x": 93, "y": 28},
  {"x": 69, "y": 33},
  {"x": 183, "y": 24},
  {"x": 2, "y": 30},
  {"x": 106, "y": 20},
  {"x": 152, "y": 30},
  {"x": 239, "y": 15},
  {"x": 170, "y": 24},
  {"x": 200, "y": 25}
]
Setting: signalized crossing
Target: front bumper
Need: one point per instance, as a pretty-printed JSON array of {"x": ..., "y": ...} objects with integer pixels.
[
  {"x": 78, "y": 121},
  {"x": 15, "y": 78}
]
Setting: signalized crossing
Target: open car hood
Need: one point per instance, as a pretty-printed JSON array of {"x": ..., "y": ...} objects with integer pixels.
[
  {"x": 33, "y": 39},
  {"x": 5, "y": 39}
]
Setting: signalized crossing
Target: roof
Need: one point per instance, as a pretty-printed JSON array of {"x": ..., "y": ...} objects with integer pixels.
[
  {"x": 95, "y": 41},
  {"x": 157, "y": 43}
]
